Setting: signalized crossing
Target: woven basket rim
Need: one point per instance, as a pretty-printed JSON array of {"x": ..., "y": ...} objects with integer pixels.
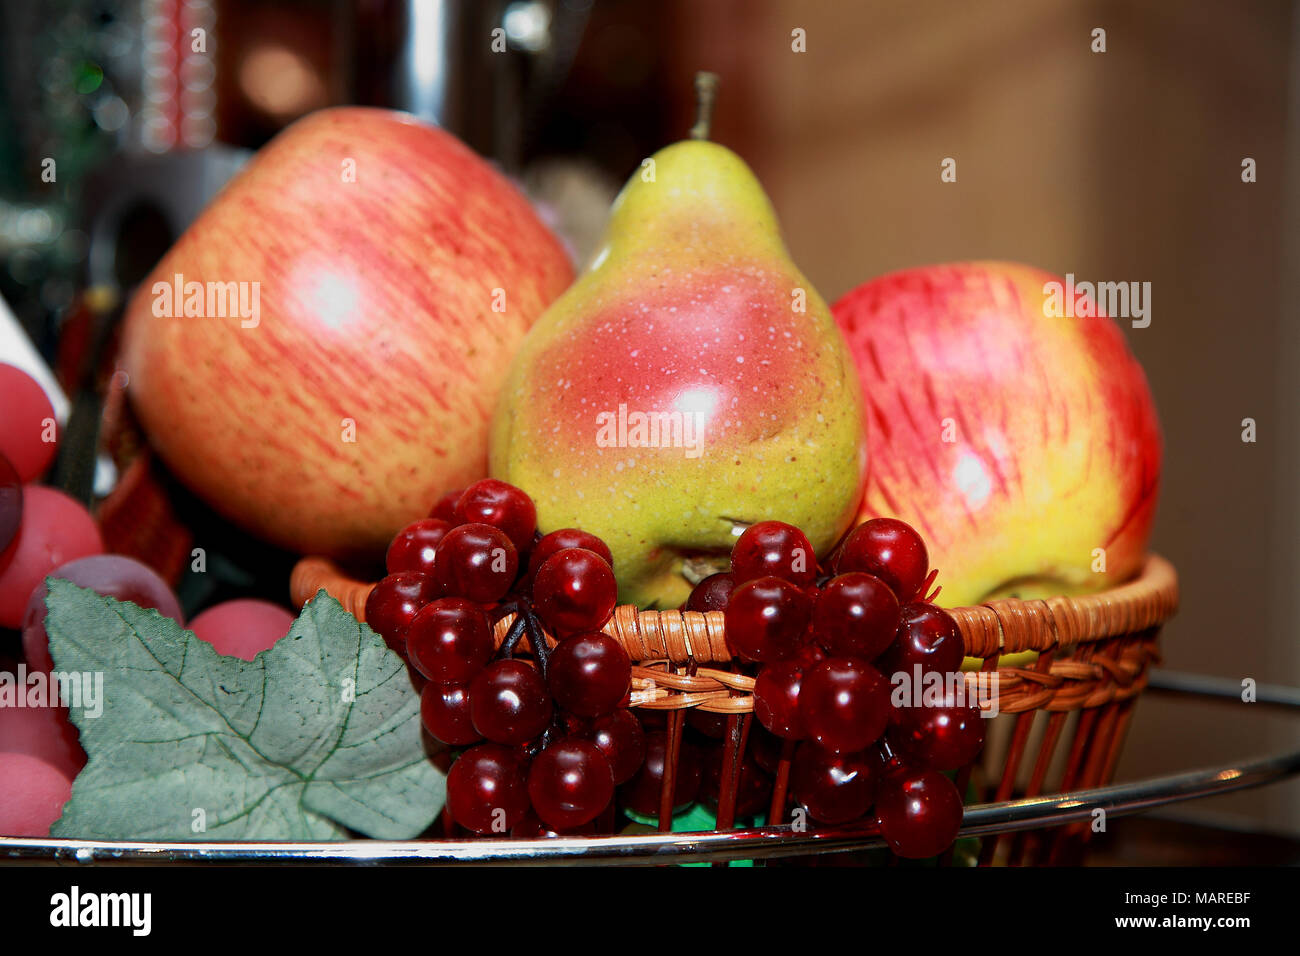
[{"x": 1002, "y": 627}]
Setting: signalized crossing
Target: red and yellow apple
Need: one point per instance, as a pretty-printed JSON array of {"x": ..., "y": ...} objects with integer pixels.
[
  {"x": 1024, "y": 448},
  {"x": 319, "y": 354}
]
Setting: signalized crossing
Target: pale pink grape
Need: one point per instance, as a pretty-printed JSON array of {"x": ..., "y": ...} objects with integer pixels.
[
  {"x": 45, "y": 733},
  {"x": 112, "y": 575},
  {"x": 56, "y": 529},
  {"x": 242, "y": 628},
  {"x": 32, "y": 795}
]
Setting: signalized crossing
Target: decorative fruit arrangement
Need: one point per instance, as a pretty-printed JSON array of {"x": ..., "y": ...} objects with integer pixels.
[{"x": 644, "y": 431}]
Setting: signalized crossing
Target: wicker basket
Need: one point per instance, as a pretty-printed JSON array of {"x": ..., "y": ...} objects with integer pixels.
[{"x": 1066, "y": 713}]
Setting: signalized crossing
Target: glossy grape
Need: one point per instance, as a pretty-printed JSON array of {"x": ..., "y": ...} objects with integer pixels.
[
  {"x": 844, "y": 704},
  {"x": 394, "y": 602},
  {"x": 26, "y": 422},
  {"x": 891, "y": 550},
  {"x": 570, "y": 783},
  {"x": 776, "y": 699},
  {"x": 477, "y": 562},
  {"x": 833, "y": 788},
  {"x": 589, "y": 674},
  {"x": 242, "y": 628},
  {"x": 766, "y": 619},
  {"x": 919, "y": 812},
  {"x": 414, "y": 547},
  {"x": 641, "y": 793},
  {"x": 444, "y": 711},
  {"x": 621, "y": 739},
  {"x": 487, "y": 789},
  {"x": 774, "y": 549},
  {"x": 108, "y": 574},
  {"x": 445, "y": 508},
  {"x": 927, "y": 636},
  {"x": 559, "y": 541},
  {"x": 574, "y": 591},
  {"x": 449, "y": 641},
  {"x": 855, "y": 615},
  {"x": 56, "y": 529},
  {"x": 940, "y": 738},
  {"x": 712, "y": 594},
  {"x": 509, "y": 702},
  {"x": 11, "y": 507},
  {"x": 502, "y": 506}
]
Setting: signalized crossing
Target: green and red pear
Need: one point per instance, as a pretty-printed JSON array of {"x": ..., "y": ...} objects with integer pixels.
[{"x": 689, "y": 384}]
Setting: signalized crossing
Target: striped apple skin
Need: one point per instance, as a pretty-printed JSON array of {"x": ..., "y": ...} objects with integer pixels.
[
  {"x": 397, "y": 274},
  {"x": 1016, "y": 443}
]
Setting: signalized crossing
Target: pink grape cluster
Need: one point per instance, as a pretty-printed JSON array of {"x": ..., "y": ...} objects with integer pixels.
[
  {"x": 548, "y": 740},
  {"x": 827, "y": 646},
  {"x": 46, "y": 533}
]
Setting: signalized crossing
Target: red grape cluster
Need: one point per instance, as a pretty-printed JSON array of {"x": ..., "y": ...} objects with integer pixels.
[
  {"x": 830, "y": 650},
  {"x": 548, "y": 740}
]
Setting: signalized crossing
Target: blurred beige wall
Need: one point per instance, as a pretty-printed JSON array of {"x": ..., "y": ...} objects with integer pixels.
[{"x": 1123, "y": 165}]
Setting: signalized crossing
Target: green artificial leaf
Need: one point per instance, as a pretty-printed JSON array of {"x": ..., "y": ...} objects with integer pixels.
[{"x": 314, "y": 737}]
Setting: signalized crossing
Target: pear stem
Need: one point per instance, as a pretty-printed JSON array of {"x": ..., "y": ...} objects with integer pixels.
[{"x": 706, "y": 92}]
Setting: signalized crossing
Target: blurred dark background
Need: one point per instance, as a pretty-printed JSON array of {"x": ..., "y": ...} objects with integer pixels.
[{"x": 1124, "y": 165}]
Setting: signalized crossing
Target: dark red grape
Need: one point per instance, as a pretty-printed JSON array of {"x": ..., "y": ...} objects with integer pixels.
[
  {"x": 766, "y": 748},
  {"x": 589, "y": 674},
  {"x": 445, "y": 509},
  {"x": 706, "y": 722},
  {"x": 477, "y": 562},
  {"x": 808, "y": 656},
  {"x": 570, "y": 783},
  {"x": 833, "y": 788},
  {"x": 641, "y": 793},
  {"x": 774, "y": 549},
  {"x": 753, "y": 785},
  {"x": 509, "y": 703},
  {"x": 444, "y": 710},
  {"x": 487, "y": 789},
  {"x": 395, "y": 601},
  {"x": 449, "y": 641},
  {"x": 502, "y": 506},
  {"x": 414, "y": 546},
  {"x": 574, "y": 591},
  {"x": 919, "y": 812},
  {"x": 562, "y": 539},
  {"x": 712, "y": 594},
  {"x": 891, "y": 550},
  {"x": 940, "y": 738},
  {"x": 621, "y": 739},
  {"x": 844, "y": 703},
  {"x": 766, "y": 619},
  {"x": 776, "y": 699},
  {"x": 928, "y": 636},
  {"x": 11, "y": 507},
  {"x": 855, "y": 615}
]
